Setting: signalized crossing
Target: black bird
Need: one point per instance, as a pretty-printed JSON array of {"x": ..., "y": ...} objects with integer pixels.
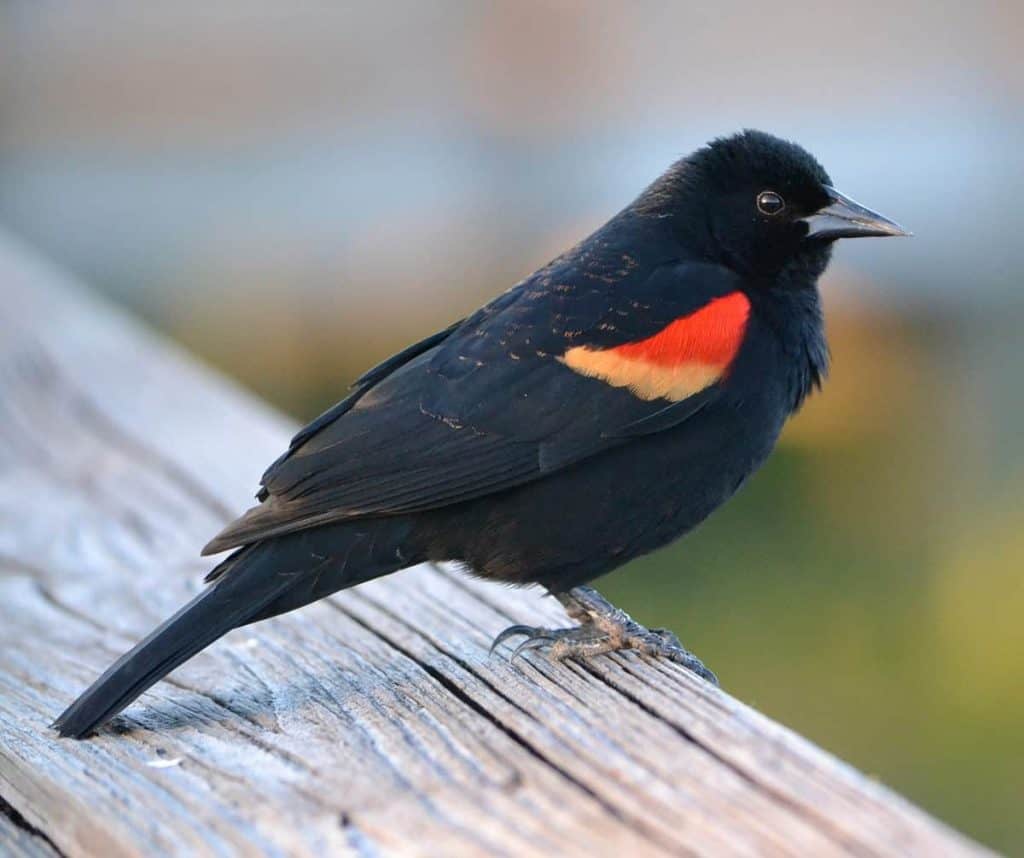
[{"x": 597, "y": 410}]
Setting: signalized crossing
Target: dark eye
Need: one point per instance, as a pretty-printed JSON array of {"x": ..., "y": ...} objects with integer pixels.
[{"x": 770, "y": 203}]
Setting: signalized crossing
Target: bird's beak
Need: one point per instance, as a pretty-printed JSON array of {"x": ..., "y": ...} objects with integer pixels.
[{"x": 844, "y": 218}]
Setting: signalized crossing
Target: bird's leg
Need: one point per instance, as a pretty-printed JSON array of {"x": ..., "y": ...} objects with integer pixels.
[{"x": 602, "y": 628}]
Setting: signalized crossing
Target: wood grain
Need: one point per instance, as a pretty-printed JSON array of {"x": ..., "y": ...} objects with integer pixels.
[
  {"x": 373, "y": 723},
  {"x": 18, "y": 839}
]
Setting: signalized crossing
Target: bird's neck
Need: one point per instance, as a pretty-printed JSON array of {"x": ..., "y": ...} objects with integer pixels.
[{"x": 794, "y": 313}]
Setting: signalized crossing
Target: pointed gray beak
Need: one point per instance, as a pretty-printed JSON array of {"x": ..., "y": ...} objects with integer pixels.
[{"x": 844, "y": 218}]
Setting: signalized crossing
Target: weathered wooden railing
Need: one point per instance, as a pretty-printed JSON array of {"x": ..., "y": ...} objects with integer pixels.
[{"x": 371, "y": 723}]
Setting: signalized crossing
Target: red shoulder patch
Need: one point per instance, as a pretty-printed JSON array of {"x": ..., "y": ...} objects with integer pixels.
[
  {"x": 686, "y": 356},
  {"x": 711, "y": 335}
]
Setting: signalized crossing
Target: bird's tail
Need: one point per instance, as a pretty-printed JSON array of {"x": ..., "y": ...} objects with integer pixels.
[{"x": 258, "y": 581}]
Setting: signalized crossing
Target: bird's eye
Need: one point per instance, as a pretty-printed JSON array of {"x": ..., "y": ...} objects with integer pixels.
[{"x": 770, "y": 203}]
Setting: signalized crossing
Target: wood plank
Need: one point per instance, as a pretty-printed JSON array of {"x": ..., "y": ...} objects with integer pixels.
[
  {"x": 18, "y": 840},
  {"x": 371, "y": 723}
]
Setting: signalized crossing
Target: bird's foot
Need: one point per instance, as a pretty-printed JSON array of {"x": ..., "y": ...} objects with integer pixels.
[{"x": 603, "y": 628}]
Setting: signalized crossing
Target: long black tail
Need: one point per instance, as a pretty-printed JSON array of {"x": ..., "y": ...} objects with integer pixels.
[{"x": 259, "y": 581}]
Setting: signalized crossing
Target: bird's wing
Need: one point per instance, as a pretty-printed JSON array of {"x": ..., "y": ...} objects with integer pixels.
[
  {"x": 359, "y": 387},
  {"x": 547, "y": 375}
]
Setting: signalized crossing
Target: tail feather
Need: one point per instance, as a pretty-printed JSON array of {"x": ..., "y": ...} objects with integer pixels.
[{"x": 256, "y": 582}]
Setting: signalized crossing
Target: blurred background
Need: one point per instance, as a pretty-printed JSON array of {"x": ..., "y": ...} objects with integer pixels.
[{"x": 294, "y": 191}]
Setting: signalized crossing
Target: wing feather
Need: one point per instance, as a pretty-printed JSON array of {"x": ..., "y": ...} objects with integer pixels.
[{"x": 481, "y": 407}]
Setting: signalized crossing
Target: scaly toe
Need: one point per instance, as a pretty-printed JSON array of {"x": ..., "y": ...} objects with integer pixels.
[
  {"x": 589, "y": 643},
  {"x": 538, "y": 641},
  {"x": 580, "y": 642},
  {"x": 662, "y": 643}
]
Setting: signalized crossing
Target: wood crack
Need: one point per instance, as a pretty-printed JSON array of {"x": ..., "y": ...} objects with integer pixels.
[
  {"x": 453, "y": 689},
  {"x": 18, "y": 821},
  {"x": 785, "y": 801},
  {"x": 63, "y": 608}
]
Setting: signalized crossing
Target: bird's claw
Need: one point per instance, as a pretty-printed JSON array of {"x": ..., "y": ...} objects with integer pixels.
[
  {"x": 603, "y": 631},
  {"x": 514, "y": 631}
]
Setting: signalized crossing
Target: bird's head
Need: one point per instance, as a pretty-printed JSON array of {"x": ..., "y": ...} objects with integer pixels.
[{"x": 758, "y": 204}]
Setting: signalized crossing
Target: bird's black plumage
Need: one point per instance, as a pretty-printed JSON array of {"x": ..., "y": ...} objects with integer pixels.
[{"x": 599, "y": 409}]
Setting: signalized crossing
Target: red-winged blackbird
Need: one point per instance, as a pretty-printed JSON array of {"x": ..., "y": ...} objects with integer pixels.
[{"x": 599, "y": 409}]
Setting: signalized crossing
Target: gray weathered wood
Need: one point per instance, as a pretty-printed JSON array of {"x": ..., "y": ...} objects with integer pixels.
[
  {"x": 371, "y": 723},
  {"x": 18, "y": 841}
]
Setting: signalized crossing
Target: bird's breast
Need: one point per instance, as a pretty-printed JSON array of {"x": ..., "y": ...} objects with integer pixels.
[{"x": 686, "y": 356}]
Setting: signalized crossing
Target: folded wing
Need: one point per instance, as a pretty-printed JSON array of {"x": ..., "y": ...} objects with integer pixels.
[{"x": 547, "y": 375}]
